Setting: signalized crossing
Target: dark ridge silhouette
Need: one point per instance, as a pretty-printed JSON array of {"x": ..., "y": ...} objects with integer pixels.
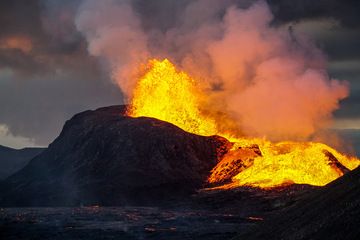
[
  {"x": 103, "y": 157},
  {"x": 12, "y": 160}
]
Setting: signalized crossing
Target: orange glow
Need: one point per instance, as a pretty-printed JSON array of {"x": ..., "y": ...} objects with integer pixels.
[
  {"x": 16, "y": 42},
  {"x": 173, "y": 96},
  {"x": 266, "y": 164}
]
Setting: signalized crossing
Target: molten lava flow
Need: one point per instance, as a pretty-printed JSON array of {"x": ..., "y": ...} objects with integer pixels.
[
  {"x": 264, "y": 164},
  {"x": 170, "y": 95}
]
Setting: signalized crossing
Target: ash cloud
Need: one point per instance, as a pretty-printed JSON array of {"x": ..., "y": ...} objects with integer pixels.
[{"x": 271, "y": 81}]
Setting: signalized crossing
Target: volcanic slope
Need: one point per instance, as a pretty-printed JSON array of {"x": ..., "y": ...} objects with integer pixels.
[{"x": 103, "y": 157}]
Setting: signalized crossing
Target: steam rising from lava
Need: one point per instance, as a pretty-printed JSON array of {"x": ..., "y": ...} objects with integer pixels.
[
  {"x": 235, "y": 75},
  {"x": 270, "y": 81},
  {"x": 165, "y": 93}
]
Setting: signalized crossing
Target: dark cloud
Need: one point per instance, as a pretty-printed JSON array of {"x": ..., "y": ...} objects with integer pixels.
[
  {"x": 342, "y": 44},
  {"x": 37, "y": 108},
  {"x": 350, "y": 106},
  {"x": 346, "y": 11},
  {"x": 52, "y": 77},
  {"x": 167, "y": 12},
  {"x": 20, "y": 16},
  {"x": 33, "y": 21},
  {"x": 19, "y": 19}
]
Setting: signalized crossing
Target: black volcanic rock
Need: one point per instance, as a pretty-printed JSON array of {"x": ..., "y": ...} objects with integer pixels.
[
  {"x": 12, "y": 160},
  {"x": 103, "y": 157}
]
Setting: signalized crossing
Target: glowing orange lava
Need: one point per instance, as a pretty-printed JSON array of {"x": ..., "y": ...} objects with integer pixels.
[{"x": 170, "y": 95}]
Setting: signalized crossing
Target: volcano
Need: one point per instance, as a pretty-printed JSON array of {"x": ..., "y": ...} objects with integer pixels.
[
  {"x": 163, "y": 146},
  {"x": 104, "y": 157},
  {"x": 108, "y": 158}
]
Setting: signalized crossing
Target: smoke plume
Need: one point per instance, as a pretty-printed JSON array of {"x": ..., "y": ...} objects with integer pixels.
[
  {"x": 114, "y": 34},
  {"x": 270, "y": 80}
]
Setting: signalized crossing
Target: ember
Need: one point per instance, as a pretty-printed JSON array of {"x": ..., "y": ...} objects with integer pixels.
[{"x": 256, "y": 218}]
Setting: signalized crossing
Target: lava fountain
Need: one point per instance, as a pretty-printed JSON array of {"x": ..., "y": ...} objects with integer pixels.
[{"x": 165, "y": 93}]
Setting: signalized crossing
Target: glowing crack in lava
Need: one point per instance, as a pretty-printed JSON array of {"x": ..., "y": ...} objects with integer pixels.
[{"x": 173, "y": 96}]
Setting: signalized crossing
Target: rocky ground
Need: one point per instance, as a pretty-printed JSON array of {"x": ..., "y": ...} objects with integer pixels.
[
  {"x": 292, "y": 212},
  {"x": 119, "y": 223},
  {"x": 215, "y": 214}
]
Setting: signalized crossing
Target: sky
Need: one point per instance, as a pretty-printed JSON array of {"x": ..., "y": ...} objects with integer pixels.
[{"x": 47, "y": 73}]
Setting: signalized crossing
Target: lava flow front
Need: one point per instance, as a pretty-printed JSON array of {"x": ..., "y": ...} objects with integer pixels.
[{"x": 173, "y": 96}]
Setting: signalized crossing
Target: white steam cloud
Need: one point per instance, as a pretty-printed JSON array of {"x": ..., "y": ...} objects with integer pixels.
[
  {"x": 270, "y": 80},
  {"x": 113, "y": 32}
]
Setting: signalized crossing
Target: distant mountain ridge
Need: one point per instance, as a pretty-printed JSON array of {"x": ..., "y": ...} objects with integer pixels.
[{"x": 12, "y": 160}]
